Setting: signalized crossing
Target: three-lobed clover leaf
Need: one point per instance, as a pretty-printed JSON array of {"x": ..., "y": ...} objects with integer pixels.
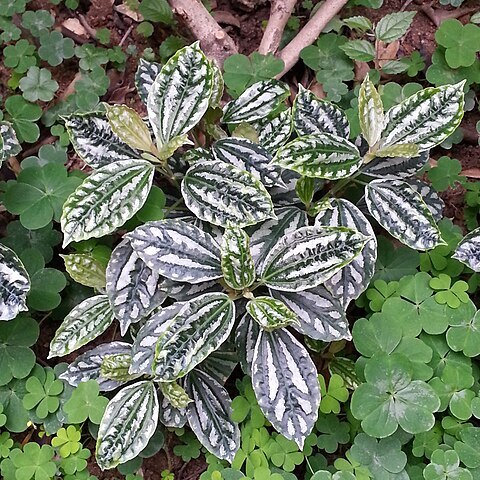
[
  {"x": 38, "y": 85},
  {"x": 54, "y": 48},
  {"x": 67, "y": 440},
  {"x": 20, "y": 56},
  {"x": 86, "y": 403},
  {"x": 34, "y": 462},
  {"x": 23, "y": 116},
  {"x": 445, "y": 174},
  {"x": 333, "y": 433},
  {"x": 333, "y": 395},
  {"x": 452, "y": 295},
  {"x": 445, "y": 465},
  {"x": 37, "y": 21},
  {"x": 91, "y": 56}
]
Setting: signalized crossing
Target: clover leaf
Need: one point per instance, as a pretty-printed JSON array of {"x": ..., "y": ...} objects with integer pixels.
[
  {"x": 43, "y": 393},
  {"x": 35, "y": 462},
  {"x": 3, "y": 417},
  {"x": 415, "y": 63},
  {"x": 381, "y": 291},
  {"x": 332, "y": 396},
  {"x": 75, "y": 462},
  {"x": 425, "y": 443},
  {"x": 46, "y": 154},
  {"x": 391, "y": 395},
  {"x": 38, "y": 85},
  {"x": 23, "y": 116},
  {"x": 54, "y": 48},
  {"x": 20, "y": 56},
  {"x": 284, "y": 453},
  {"x": 464, "y": 335},
  {"x": 333, "y": 433},
  {"x": 90, "y": 87},
  {"x": 445, "y": 465},
  {"x": 452, "y": 295},
  {"x": 467, "y": 448},
  {"x": 91, "y": 56},
  {"x": 245, "y": 406},
  {"x": 6, "y": 444},
  {"x": 86, "y": 402},
  {"x": 445, "y": 173},
  {"x": 67, "y": 441},
  {"x": 11, "y": 7},
  {"x": 37, "y": 21},
  {"x": 440, "y": 73},
  {"x": 189, "y": 449},
  {"x": 10, "y": 32}
]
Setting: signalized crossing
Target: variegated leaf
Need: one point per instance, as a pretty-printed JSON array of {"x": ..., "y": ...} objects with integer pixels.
[
  {"x": 143, "y": 350},
  {"x": 220, "y": 193},
  {"x": 468, "y": 250},
  {"x": 312, "y": 116},
  {"x": 187, "y": 291},
  {"x": 309, "y": 256},
  {"x": 426, "y": 118},
  {"x": 106, "y": 199},
  {"x": 195, "y": 155},
  {"x": 133, "y": 288},
  {"x": 209, "y": 415},
  {"x": 85, "y": 269},
  {"x": 218, "y": 86},
  {"x": 177, "y": 250},
  {"x": 395, "y": 167},
  {"x": 129, "y": 421},
  {"x": 94, "y": 141},
  {"x": 85, "y": 322},
  {"x": 407, "y": 150},
  {"x": 285, "y": 382},
  {"x": 221, "y": 363},
  {"x": 271, "y": 313},
  {"x": 200, "y": 327},
  {"x": 352, "y": 280},
  {"x": 246, "y": 335},
  {"x": 400, "y": 210},
  {"x": 171, "y": 416},
  {"x": 127, "y": 124},
  {"x": 237, "y": 263},
  {"x": 88, "y": 366},
  {"x": 115, "y": 366},
  {"x": 370, "y": 112},
  {"x": 275, "y": 132},
  {"x": 14, "y": 284},
  {"x": 321, "y": 315},
  {"x": 256, "y": 102},
  {"x": 175, "y": 394},
  {"x": 431, "y": 198},
  {"x": 320, "y": 156},
  {"x": 180, "y": 94},
  {"x": 286, "y": 195},
  {"x": 145, "y": 76},
  {"x": 246, "y": 155},
  {"x": 9, "y": 145},
  {"x": 268, "y": 233}
]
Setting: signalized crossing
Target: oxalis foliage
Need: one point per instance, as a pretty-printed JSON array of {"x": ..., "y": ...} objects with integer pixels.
[{"x": 248, "y": 255}]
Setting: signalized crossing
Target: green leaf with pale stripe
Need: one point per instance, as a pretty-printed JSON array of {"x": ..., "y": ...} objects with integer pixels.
[
  {"x": 429, "y": 195},
  {"x": 221, "y": 363},
  {"x": 94, "y": 141},
  {"x": 180, "y": 94},
  {"x": 256, "y": 102},
  {"x": 426, "y": 118},
  {"x": 312, "y": 116},
  {"x": 468, "y": 250},
  {"x": 175, "y": 394},
  {"x": 275, "y": 132},
  {"x": 133, "y": 288},
  {"x": 209, "y": 415},
  {"x": 85, "y": 322},
  {"x": 171, "y": 416},
  {"x": 14, "y": 284},
  {"x": 85, "y": 269},
  {"x": 145, "y": 76},
  {"x": 106, "y": 199},
  {"x": 271, "y": 313},
  {"x": 129, "y": 421},
  {"x": 199, "y": 328},
  {"x": 220, "y": 193},
  {"x": 407, "y": 150},
  {"x": 246, "y": 334},
  {"x": 177, "y": 250},
  {"x": 9, "y": 145},
  {"x": 320, "y": 156},
  {"x": 309, "y": 256},
  {"x": 285, "y": 382},
  {"x": 218, "y": 86},
  {"x": 370, "y": 112},
  {"x": 395, "y": 167},
  {"x": 237, "y": 263},
  {"x": 400, "y": 210}
]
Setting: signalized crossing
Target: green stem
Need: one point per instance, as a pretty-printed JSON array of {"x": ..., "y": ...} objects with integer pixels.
[{"x": 172, "y": 207}]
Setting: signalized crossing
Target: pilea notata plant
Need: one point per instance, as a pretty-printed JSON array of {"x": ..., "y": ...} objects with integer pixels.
[{"x": 257, "y": 248}]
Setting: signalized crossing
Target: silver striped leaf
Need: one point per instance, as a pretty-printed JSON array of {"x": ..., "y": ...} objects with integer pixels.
[
  {"x": 9, "y": 145},
  {"x": 426, "y": 118},
  {"x": 88, "y": 366},
  {"x": 249, "y": 156},
  {"x": 221, "y": 363},
  {"x": 370, "y": 112},
  {"x": 256, "y": 102},
  {"x": 352, "y": 280},
  {"x": 145, "y": 76},
  {"x": 85, "y": 322},
  {"x": 321, "y": 315},
  {"x": 267, "y": 234},
  {"x": 218, "y": 86},
  {"x": 209, "y": 415},
  {"x": 94, "y": 141},
  {"x": 285, "y": 382},
  {"x": 246, "y": 335},
  {"x": 106, "y": 199},
  {"x": 133, "y": 288},
  {"x": 201, "y": 326},
  {"x": 286, "y": 196},
  {"x": 195, "y": 155},
  {"x": 271, "y": 313},
  {"x": 180, "y": 94},
  {"x": 400, "y": 210},
  {"x": 14, "y": 284},
  {"x": 395, "y": 167},
  {"x": 177, "y": 250},
  {"x": 275, "y": 132},
  {"x": 170, "y": 416},
  {"x": 468, "y": 250},
  {"x": 220, "y": 193},
  {"x": 309, "y": 256},
  {"x": 187, "y": 291},
  {"x": 143, "y": 350},
  {"x": 237, "y": 262},
  {"x": 312, "y": 116},
  {"x": 129, "y": 421},
  {"x": 85, "y": 269},
  {"x": 431, "y": 198},
  {"x": 320, "y": 156}
]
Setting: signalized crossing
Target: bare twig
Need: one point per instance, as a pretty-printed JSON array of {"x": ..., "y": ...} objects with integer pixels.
[
  {"x": 127, "y": 33},
  {"x": 437, "y": 16},
  {"x": 215, "y": 42},
  {"x": 280, "y": 12},
  {"x": 309, "y": 33},
  {"x": 91, "y": 31}
]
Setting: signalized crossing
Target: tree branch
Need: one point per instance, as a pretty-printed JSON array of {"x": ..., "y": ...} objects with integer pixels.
[
  {"x": 309, "y": 33},
  {"x": 280, "y": 12},
  {"x": 215, "y": 42}
]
